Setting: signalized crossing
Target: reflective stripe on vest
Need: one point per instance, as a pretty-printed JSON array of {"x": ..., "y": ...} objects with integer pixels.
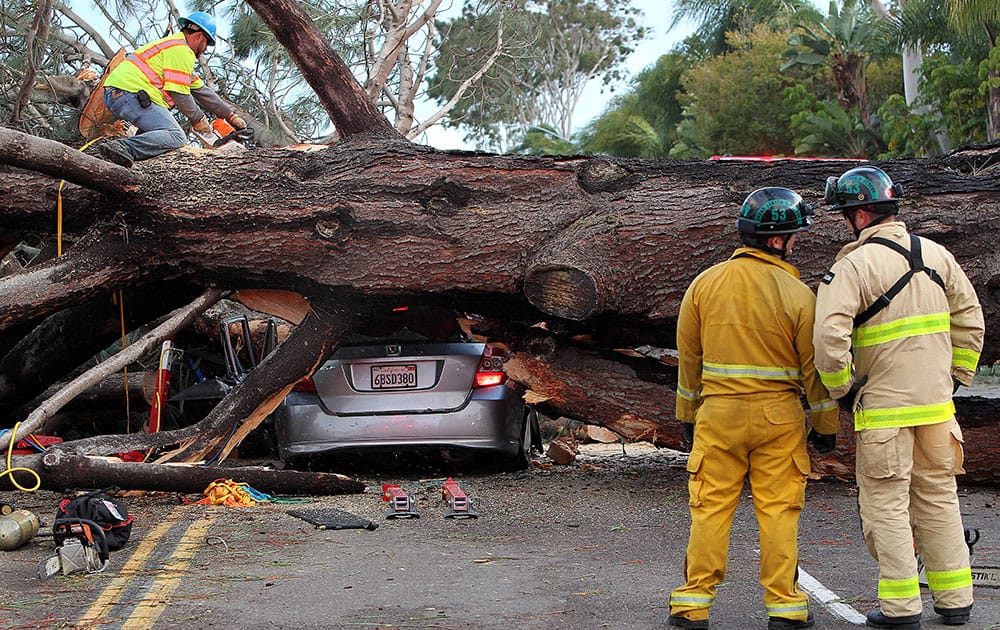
[
  {"x": 767, "y": 372},
  {"x": 903, "y": 416},
  {"x": 899, "y": 589},
  {"x": 901, "y": 329},
  {"x": 141, "y": 61}
]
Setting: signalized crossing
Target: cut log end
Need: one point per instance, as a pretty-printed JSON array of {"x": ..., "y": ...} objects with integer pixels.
[{"x": 561, "y": 291}]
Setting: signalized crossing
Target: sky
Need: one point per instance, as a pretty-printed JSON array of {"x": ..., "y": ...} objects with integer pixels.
[{"x": 656, "y": 17}]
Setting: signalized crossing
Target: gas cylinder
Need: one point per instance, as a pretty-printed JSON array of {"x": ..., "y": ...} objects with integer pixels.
[{"x": 17, "y": 528}]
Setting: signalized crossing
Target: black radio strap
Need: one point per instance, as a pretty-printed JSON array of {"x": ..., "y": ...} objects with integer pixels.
[{"x": 916, "y": 265}]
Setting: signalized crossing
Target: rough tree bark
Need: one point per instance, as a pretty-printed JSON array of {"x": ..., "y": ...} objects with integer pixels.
[
  {"x": 59, "y": 469},
  {"x": 605, "y": 246}
]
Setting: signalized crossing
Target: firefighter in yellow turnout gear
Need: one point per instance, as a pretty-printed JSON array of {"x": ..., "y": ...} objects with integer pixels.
[
  {"x": 898, "y": 327},
  {"x": 744, "y": 336}
]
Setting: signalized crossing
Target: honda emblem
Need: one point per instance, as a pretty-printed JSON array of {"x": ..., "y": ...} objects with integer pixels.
[{"x": 393, "y": 350}]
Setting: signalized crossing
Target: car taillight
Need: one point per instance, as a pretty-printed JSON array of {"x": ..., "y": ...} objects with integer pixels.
[
  {"x": 489, "y": 379},
  {"x": 305, "y": 385}
]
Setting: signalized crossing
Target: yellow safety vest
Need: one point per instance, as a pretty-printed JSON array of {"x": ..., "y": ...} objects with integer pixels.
[{"x": 162, "y": 66}]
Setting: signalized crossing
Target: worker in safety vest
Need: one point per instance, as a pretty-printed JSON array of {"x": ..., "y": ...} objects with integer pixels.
[
  {"x": 898, "y": 328},
  {"x": 744, "y": 338},
  {"x": 156, "y": 77}
]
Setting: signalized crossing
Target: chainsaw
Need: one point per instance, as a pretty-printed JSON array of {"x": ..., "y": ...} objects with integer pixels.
[
  {"x": 224, "y": 137},
  {"x": 80, "y": 546}
]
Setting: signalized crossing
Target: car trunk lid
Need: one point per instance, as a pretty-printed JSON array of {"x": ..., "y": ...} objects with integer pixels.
[{"x": 398, "y": 378}]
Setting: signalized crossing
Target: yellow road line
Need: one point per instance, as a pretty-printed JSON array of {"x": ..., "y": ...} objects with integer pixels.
[
  {"x": 154, "y": 602},
  {"x": 109, "y": 596}
]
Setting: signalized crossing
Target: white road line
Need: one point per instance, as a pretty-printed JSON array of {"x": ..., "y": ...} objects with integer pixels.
[{"x": 829, "y": 599}]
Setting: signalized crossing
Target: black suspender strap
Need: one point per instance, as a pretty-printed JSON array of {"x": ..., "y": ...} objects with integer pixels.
[{"x": 916, "y": 260}]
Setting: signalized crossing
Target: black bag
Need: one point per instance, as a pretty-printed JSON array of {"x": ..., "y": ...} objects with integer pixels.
[{"x": 108, "y": 512}]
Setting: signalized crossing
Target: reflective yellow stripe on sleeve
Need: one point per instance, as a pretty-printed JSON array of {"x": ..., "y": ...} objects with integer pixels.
[
  {"x": 899, "y": 589},
  {"x": 835, "y": 379},
  {"x": 823, "y": 405},
  {"x": 949, "y": 580},
  {"x": 767, "y": 372},
  {"x": 903, "y": 416},
  {"x": 901, "y": 329},
  {"x": 687, "y": 394},
  {"x": 965, "y": 358}
]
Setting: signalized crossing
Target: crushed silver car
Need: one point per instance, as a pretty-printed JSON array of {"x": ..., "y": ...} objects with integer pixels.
[{"x": 415, "y": 382}]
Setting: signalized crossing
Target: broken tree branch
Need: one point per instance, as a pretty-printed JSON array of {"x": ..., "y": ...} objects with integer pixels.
[
  {"x": 180, "y": 319},
  {"x": 342, "y": 97},
  {"x": 64, "y": 162}
]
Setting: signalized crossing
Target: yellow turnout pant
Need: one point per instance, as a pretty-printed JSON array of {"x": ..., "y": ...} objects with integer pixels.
[
  {"x": 763, "y": 437},
  {"x": 908, "y": 499}
]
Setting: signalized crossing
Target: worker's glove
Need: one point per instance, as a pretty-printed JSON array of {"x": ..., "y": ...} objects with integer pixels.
[
  {"x": 846, "y": 401},
  {"x": 822, "y": 442},
  {"x": 687, "y": 430},
  {"x": 236, "y": 121},
  {"x": 202, "y": 126}
]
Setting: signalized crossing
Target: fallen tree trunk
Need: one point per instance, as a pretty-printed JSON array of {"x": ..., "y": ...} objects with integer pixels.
[{"x": 61, "y": 471}]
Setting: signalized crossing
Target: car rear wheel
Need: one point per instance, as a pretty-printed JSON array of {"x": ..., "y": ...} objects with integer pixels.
[{"x": 529, "y": 431}]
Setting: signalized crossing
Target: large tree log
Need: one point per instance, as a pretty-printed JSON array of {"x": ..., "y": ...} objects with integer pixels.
[
  {"x": 60, "y": 471},
  {"x": 378, "y": 219}
]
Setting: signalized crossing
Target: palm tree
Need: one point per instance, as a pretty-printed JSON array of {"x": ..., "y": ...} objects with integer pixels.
[
  {"x": 970, "y": 15},
  {"x": 715, "y": 18},
  {"x": 843, "y": 41}
]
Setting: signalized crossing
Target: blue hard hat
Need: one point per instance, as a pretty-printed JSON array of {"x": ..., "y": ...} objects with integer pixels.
[{"x": 203, "y": 21}]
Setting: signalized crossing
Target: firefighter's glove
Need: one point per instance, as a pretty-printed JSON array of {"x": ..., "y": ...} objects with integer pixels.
[
  {"x": 846, "y": 401},
  {"x": 821, "y": 442},
  {"x": 687, "y": 429},
  {"x": 202, "y": 126},
  {"x": 237, "y": 121}
]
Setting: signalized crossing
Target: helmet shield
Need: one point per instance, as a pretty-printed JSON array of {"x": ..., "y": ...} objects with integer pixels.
[
  {"x": 773, "y": 210},
  {"x": 863, "y": 186}
]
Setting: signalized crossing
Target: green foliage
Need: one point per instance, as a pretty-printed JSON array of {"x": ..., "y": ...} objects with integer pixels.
[
  {"x": 716, "y": 19},
  {"x": 552, "y": 48},
  {"x": 642, "y": 123},
  {"x": 832, "y": 131},
  {"x": 543, "y": 140},
  {"x": 950, "y": 101},
  {"x": 734, "y": 104}
]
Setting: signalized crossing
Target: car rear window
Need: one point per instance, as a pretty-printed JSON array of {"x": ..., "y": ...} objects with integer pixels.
[{"x": 410, "y": 323}]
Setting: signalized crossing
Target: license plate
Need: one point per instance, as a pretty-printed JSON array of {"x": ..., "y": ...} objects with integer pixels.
[{"x": 394, "y": 376}]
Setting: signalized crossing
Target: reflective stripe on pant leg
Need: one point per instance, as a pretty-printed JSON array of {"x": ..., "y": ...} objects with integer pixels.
[
  {"x": 779, "y": 465},
  {"x": 884, "y": 467},
  {"x": 717, "y": 468},
  {"x": 950, "y": 581},
  {"x": 936, "y": 513}
]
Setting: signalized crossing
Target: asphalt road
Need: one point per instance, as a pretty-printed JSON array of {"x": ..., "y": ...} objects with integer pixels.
[{"x": 596, "y": 544}]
